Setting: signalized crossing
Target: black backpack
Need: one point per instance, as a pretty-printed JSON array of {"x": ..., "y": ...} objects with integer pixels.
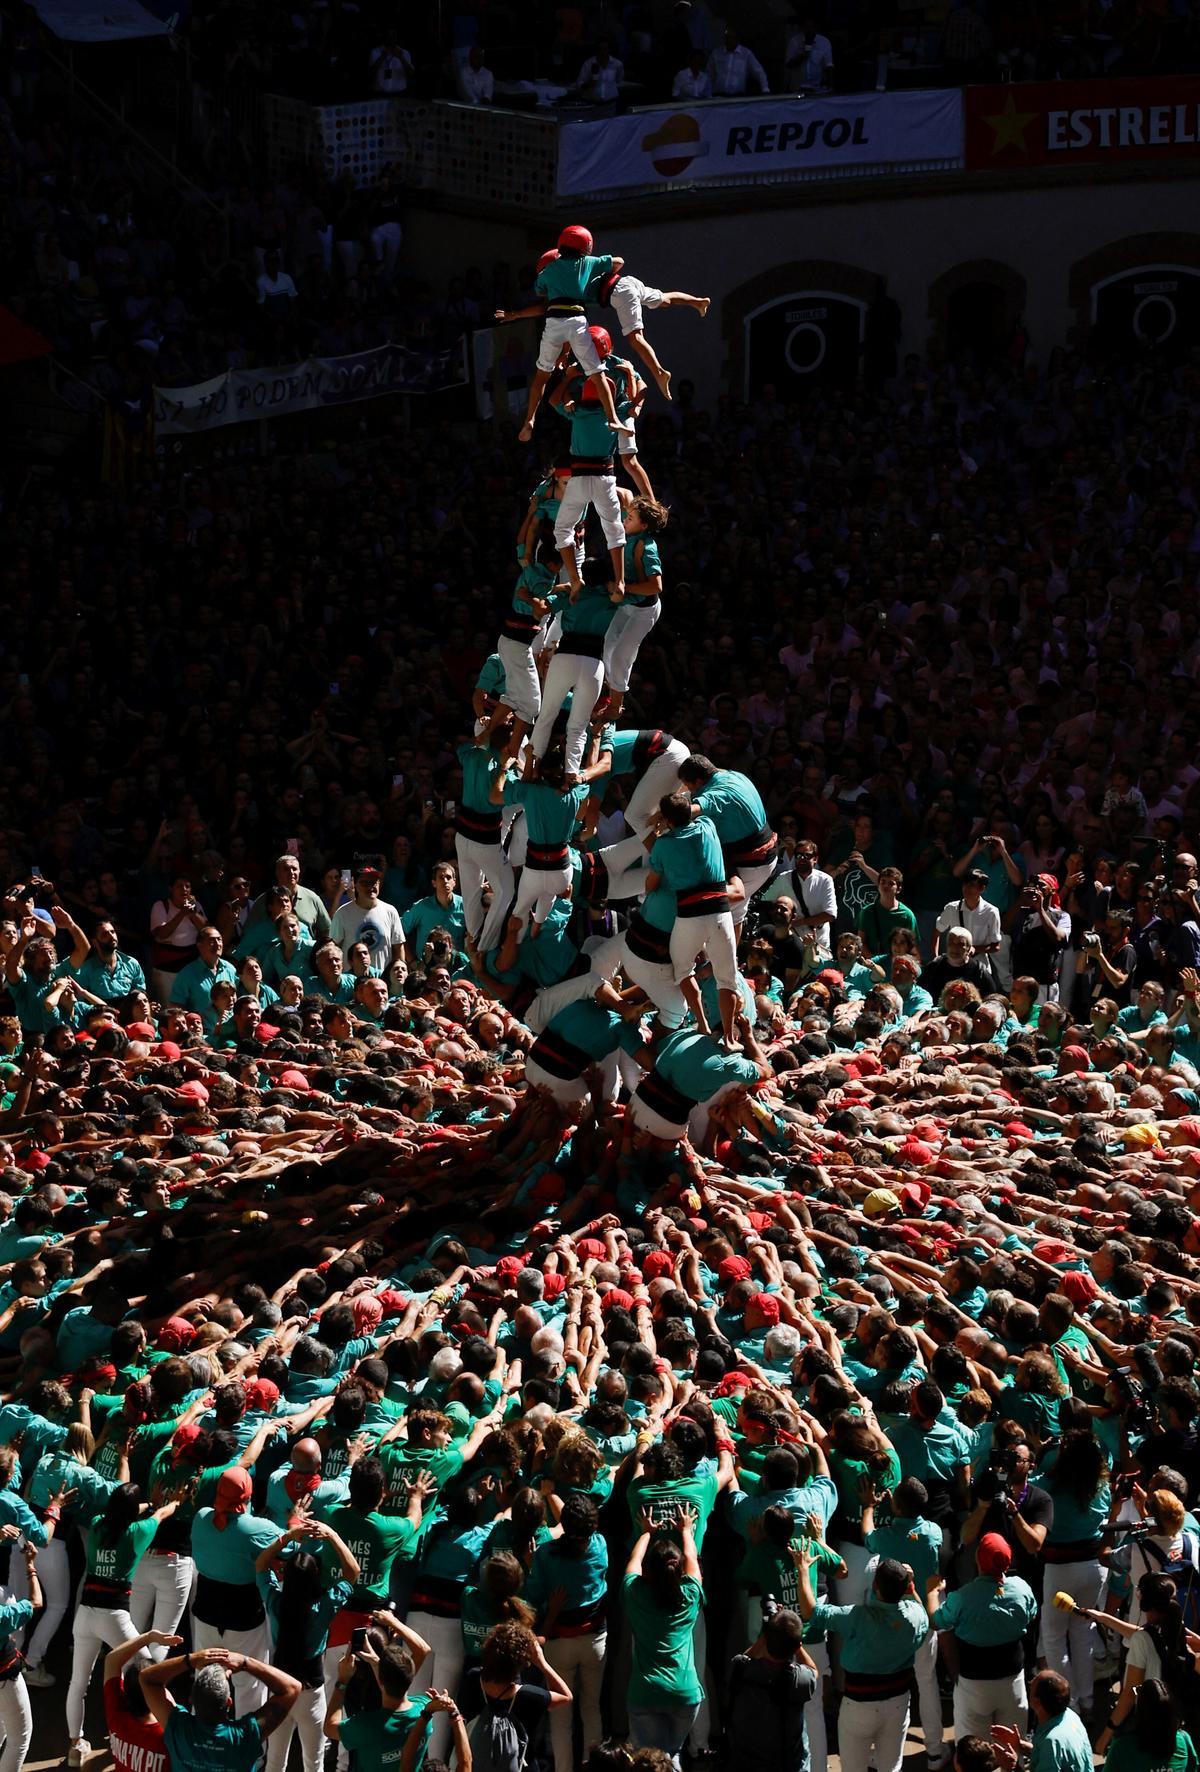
[{"x": 499, "y": 1742}]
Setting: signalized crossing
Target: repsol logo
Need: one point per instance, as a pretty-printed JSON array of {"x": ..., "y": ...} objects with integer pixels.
[{"x": 798, "y": 137}]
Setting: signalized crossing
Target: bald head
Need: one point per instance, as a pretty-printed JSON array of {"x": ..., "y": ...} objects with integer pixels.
[{"x": 306, "y": 1457}]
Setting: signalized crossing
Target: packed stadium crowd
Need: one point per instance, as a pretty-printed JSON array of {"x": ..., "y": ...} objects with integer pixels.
[{"x": 601, "y": 1162}]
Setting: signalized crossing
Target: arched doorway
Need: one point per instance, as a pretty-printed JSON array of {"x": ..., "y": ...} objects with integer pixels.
[
  {"x": 1140, "y": 295},
  {"x": 798, "y": 326},
  {"x": 977, "y": 324},
  {"x": 974, "y": 309}
]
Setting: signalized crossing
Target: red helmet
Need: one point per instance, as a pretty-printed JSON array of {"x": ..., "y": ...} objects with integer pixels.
[
  {"x": 601, "y": 339},
  {"x": 575, "y": 239},
  {"x": 547, "y": 258}
]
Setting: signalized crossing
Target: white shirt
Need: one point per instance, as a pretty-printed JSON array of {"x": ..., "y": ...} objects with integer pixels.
[
  {"x": 983, "y": 921},
  {"x": 272, "y": 286},
  {"x": 814, "y": 895},
  {"x": 604, "y": 82},
  {"x": 380, "y": 926},
  {"x": 732, "y": 69},
  {"x": 692, "y": 86},
  {"x": 475, "y": 85},
  {"x": 185, "y": 931},
  {"x": 807, "y": 60},
  {"x": 390, "y": 71}
]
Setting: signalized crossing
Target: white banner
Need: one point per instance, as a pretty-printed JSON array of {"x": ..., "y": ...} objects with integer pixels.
[
  {"x": 759, "y": 141},
  {"x": 98, "y": 21},
  {"x": 242, "y": 394}
]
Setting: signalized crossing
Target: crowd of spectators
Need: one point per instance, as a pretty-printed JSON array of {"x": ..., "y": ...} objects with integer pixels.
[
  {"x": 345, "y": 1363},
  {"x": 137, "y": 277},
  {"x": 636, "y": 54}
]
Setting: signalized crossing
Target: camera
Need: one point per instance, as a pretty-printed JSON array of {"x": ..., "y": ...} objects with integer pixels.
[
  {"x": 1136, "y": 1404},
  {"x": 992, "y": 1480},
  {"x": 770, "y": 1606},
  {"x": 358, "y": 1639}
]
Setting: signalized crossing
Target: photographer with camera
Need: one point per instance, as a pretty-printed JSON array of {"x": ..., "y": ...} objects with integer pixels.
[
  {"x": 1040, "y": 935},
  {"x": 1007, "y": 1503},
  {"x": 175, "y": 925},
  {"x": 769, "y": 1687},
  {"x": 1107, "y": 961}
]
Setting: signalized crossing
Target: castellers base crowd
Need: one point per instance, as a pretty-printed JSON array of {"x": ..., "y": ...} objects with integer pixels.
[{"x": 656, "y": 1247}]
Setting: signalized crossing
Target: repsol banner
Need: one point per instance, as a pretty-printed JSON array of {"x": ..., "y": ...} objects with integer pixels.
[
  {"x": 763, "y": 141},
  {"x": 242, "y": 394}
]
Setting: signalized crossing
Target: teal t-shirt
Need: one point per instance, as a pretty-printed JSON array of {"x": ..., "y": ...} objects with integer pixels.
[
  {"x": 689, "y": 858},
  {"x": 663, "y": 1676},
  {"x": 234, "y": 1746},
  {"x": 697, "y": 1066},
  {"x": 734, "y": 805},
  {"x": 987, "y": 1613}
]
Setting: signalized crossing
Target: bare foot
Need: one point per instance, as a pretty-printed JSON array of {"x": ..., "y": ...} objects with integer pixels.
[
  {"x": 703, "y": 305},
  {"x": 616, "y": 424},
  {"x": 730, "y": 1043},
  {"x": 525, "y": 434},
  {"x": 663, "y": 378}
]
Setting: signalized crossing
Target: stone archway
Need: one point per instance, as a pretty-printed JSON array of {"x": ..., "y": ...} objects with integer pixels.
[
  {"x": 973, "y": 308},
  {"x": 1143, "y": 290},
  {"x": 797, "y": 324}
]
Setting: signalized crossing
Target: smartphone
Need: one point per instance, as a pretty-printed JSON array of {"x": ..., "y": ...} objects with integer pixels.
[
  {"x": 449, "y": 808},
  {"x": 335, "y": 689},
  {"x": 347, "y": 879},
  {"x": 293, "y": 847},
  {"x": 358, "y": 1639},
  {"x": 397, "y": 781}
]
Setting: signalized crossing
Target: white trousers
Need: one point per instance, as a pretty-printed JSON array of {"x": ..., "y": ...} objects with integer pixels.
[
  {"x": 714, "y": 935},
  {"x": 582, "y": 490},
  {"x": 572, "y": 1094},
  {"x": 753, "y": 880},
  {"x": 630, "y": 625},
  {"x": 16, "y": 1723},
  {"x": 701, "y": 1729},
  {"x": 580, "y": 1661},
  {"x": 97, "y": 1628},
  {"x": 568, "y": 329},
  {"x": 55, "y": 1579},
  {"x": 160, "y": 1591},
  {"x": 442, "y": 1668},
  {"x": 582, "y": 677},
  {"x": 1069, "y": 1641},
  {"x": 538, "y": 890},
  {"x": 307, "y": 1716},
  {"x": 522, "y": 690},
  {"x": 658, "y": 982},
  {"x": 852, "y": 1588},
  {"x": 980, "y": 1703},
  {"x": 660, "y": 777},
  {"x": 814, "y": 1712},
  {"x": 478, "y": 862},
  {"x": 871, "y": 1733},
  {"x": 646, "y": 1119},
  {"x": 248, "y": 1693},
  {"x": 626, "y": 864},
  {"x": 929, "y": 1699}
]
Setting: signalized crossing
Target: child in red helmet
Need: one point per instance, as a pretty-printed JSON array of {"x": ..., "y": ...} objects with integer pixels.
[{"x": 568, "y": 279}]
